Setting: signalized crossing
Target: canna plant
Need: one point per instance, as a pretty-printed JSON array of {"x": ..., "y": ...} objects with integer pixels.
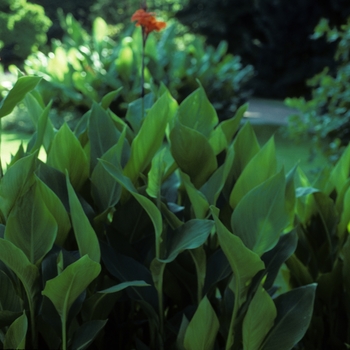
[{"x": 151, "y": 231}]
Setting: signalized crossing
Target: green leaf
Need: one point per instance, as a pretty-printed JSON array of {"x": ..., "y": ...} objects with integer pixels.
[
  {"x": 197, "y": 113},
  {"x": 9, "y": 300},
  {"x": 199, "y": 203},
  {"x": 99, "y": 29},
  {"x": 147, "y": 205},
  {"x": 85, "y": 334},
  {"x": 258, "y": 319},
  {"x": 57, "y": 210},
  {"x": 260, "y": 217},
  {"x": 22, "y": 86},
  {"x": 105, "y": 190},
  {"x": 109, "y": 98},
  {"x": 17, "y": 261},
  {"x": 190, "y": 235},
  {"x": 245, "y": 263},
  {"x": 294, "y": 311},
  {"x": 65, "y": 288},
  {"x": 15, "y": 337},
  {"x": 265, "y": 161},
  {"x": 84, "y": 233},
  {"x": 192, "y": 153},
  {"x": 31, "y": 227},
  {"x": 102, "y": 133},
  {"x": 16, "y": 181},
  {"x": 150, "y": 137},
  {"x": 66, "y": 153},
  {"x": 119, "y": 287},
  {"x": 155, "y": 175},
  {"x": 203, "y": 328},
  {"x": 246, "y": 146}
]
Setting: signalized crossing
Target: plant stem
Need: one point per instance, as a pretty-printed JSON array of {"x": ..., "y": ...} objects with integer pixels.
[{"x": 64, "y": 332}]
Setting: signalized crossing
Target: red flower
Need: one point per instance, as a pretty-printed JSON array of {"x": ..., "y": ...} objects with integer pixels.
[{"x": 147, "y": 21}]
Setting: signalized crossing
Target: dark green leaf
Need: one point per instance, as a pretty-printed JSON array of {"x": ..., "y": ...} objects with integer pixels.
[
  {"x": 294, "y": 311},
  {"x": 85, "y": 334}
]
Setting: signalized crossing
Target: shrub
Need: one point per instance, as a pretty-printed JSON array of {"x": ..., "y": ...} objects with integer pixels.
[
  {"x": 23, "y": 29},
  {"x": 151, "y": 231},
  {"x": 84, "y": 67},
  {"x": 326, "y": 116}
]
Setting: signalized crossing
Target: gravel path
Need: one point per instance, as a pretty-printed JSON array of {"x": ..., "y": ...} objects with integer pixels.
[{"x": 265, "y": 111}]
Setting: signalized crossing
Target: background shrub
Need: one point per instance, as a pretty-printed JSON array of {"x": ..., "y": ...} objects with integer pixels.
[
  {"x": 23, "y": 29},
  {"x": 326, "y": 115}
]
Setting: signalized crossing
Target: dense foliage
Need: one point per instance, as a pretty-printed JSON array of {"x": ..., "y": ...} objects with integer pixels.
[
  {"x": 23, "y": 29},
  {"x": 84, "y": 67},
  {"x": 273, "y": 36},
  {"x": 326, "y": 115}
]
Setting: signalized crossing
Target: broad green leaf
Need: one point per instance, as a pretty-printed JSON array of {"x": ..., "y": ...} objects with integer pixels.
[
  {"x": 197, "y": 113},
  {"x": 258, "y": 319},
  {"x": 342, "y": 228},
  {"x": 190, "y": 235},
  {"x": 18, "y": 262},
  {"x": 200, "y": 261},
  {"x": 102, "y": 133},
  {"x": 290, "y": 196},
  {"x": 260, "y": 217},
  {"x": 38, "y": 115},
  {"x": 65, "y": 288},
  {"x": 147, "y": 205},
  {"x": 199, "y": 203},
  {"x": 340, "y": 173},
  {"x": 155, "y": 175},
  {"x": 85, "y": 334},
  {"x": 294, "y": 311},
  {"x": 66, "y": 153},
  {"x": 57, "y": 210},
  {"x": 22, "y": 86},
  {"x": 119, "y": 287},
  {"x": 346, "y": 266},
  {"x": 230, "y": 126},
  {"x": 245, "y": 263},
  {"x": 105, "y": 190},
  {"x": 261, "y": 167},
  {"x": 203, "y": 328},
  {"x": 150, "y": 137},
  {"x": 31, "y": 227},
  {"x": 9, "y": 300},
  {"x": 84, "y": 233},
  {"x": 192, "y": 153},
  {"x": 16, "y": 181},
  {"x": 246, "y": 146},
  {"x": 15, "y": 337},
  {"x": 109, "y": 98}
]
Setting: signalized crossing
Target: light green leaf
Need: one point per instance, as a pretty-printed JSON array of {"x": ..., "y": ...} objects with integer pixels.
[
  {"x": 99, "y": 29},
  {"x": 31, "y": 227},
  {"x": 150, "y": 137},
  {"x": 197, "y": 113},
  {"x": 244, "y": 263},
  {"x": 156, "y": 174},
  {"x": 65, "y": 288},
  {"x": 57, "y": 210},
  {"x": 262, "y": 166},
  {"x": 84, "y": 233},
  {"x": 147, "y": 205},
  {"x": 190, "y": 235},
  {"x": 121, "y": 286},
  {"x": 15, "y": 337},
  {"x": 66, "y": 153},
  {"x": 22, "y": 86},
  {"x": 199, "y": 203},
  {"x": 203, "y": 328},
  {"x": 258, "y": 319},
  {"x": 260, "y": 217},
  {"x": 192, "y": 153}
]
